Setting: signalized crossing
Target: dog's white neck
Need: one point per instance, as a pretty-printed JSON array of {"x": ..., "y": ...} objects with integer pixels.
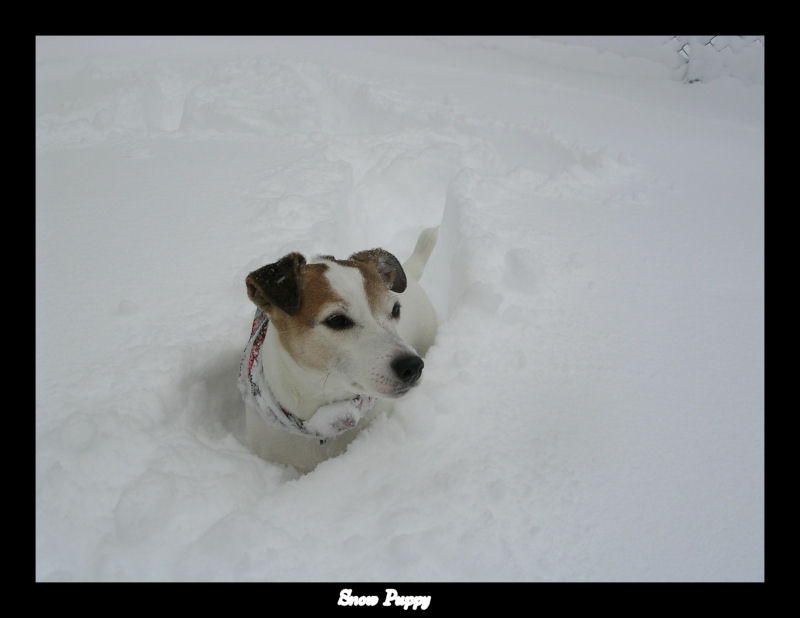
[
  {"x": 298, "y": 389},
  {"x": 324, "y": 416}
]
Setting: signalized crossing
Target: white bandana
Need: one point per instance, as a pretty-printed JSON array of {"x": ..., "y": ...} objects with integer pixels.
[{"x": 327, "y": 422}]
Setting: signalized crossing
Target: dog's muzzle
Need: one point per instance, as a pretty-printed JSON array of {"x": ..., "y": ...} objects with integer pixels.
[{"x": 408, "y": 369}]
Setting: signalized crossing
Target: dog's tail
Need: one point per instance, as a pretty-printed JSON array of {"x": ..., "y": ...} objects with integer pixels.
[{"x": 425, "y": 244}]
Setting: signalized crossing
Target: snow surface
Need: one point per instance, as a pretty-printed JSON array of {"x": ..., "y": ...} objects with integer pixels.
[{"x": 592, "y": 409}]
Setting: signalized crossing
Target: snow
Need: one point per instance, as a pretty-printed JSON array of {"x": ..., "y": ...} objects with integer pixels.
[{"x": 593, "y": 407}]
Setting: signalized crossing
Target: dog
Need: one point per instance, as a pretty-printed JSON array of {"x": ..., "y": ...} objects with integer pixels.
[{"x": 333, "y": 343}]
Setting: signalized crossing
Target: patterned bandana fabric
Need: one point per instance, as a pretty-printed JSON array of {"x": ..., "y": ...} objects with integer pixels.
[{"x": 328, "y": 422}]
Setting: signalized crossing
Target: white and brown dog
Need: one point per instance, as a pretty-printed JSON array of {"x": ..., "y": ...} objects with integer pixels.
[{"x": 333, "y": 342}]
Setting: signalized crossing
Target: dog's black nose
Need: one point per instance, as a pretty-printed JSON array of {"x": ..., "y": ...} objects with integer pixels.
[{"x": 408, "y": 368}]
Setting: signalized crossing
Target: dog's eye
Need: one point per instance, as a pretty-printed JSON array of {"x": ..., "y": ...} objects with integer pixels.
[
  {"x": 339, "y": 322},
  {"x": 396, "y": 310}
]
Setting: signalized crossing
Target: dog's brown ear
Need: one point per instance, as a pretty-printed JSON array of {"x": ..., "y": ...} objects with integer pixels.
[
  {"x": 277, "y": 284},
  {"x": 388, "y": 267}
]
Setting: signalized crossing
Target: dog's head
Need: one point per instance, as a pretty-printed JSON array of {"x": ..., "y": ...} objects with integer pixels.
[{"x": 341, "y": 317}]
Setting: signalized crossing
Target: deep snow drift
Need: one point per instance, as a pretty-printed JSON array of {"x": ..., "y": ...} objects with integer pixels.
[{"x": 593, "y": 406}]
